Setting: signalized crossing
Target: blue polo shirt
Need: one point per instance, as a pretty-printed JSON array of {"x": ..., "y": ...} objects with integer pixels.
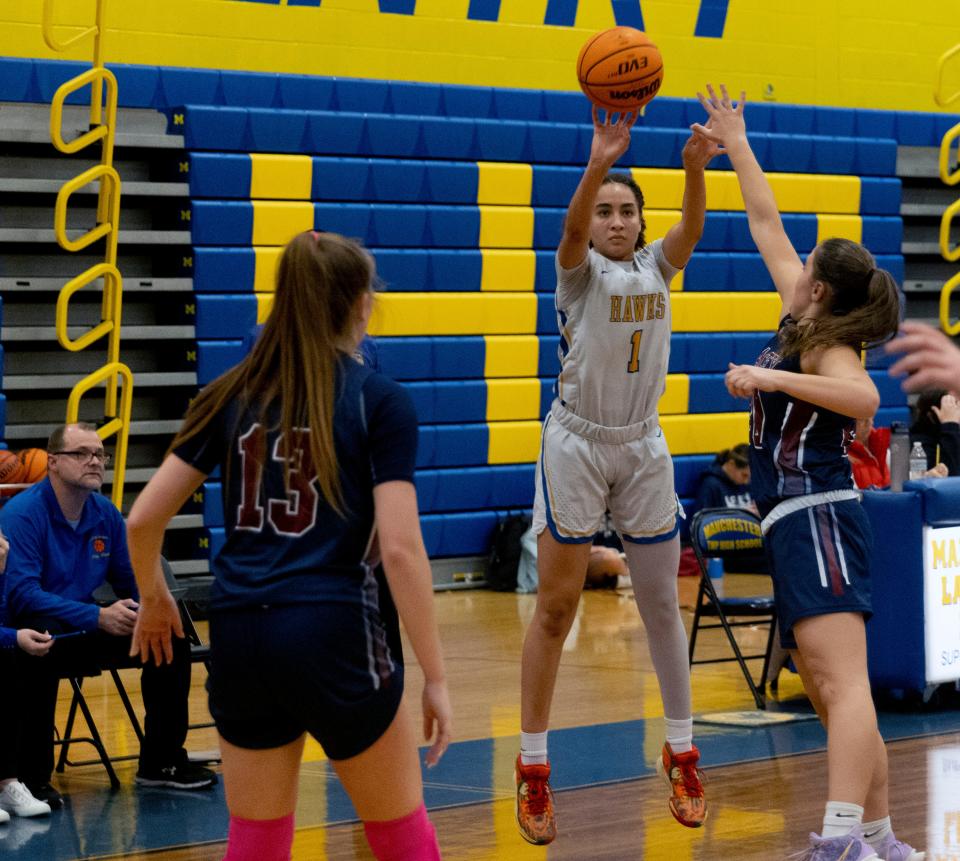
[{"x": 54, "y": 569}]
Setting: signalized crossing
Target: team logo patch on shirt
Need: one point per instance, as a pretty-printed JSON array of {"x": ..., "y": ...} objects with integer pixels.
[{"x": 100, "y": 547}]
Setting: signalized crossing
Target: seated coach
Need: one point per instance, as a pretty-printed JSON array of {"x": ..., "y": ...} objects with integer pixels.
[{"x": 66, "y": 541}]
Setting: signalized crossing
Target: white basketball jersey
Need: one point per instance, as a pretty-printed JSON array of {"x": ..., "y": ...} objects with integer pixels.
[{"x": 614, "y": 321}]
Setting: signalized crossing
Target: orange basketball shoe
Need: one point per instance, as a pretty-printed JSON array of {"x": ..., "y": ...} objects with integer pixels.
[
  {"x": 535, "y": 816},
  {"x": 687, "y": 803}
]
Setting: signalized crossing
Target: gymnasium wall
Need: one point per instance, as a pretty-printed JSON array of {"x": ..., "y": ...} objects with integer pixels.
[{"x": 849, "y": 53}]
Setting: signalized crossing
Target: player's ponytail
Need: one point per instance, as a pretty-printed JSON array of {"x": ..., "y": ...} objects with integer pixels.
[
  {"x": 320, "y": 277},
  {"x": 864, "y": 302}
]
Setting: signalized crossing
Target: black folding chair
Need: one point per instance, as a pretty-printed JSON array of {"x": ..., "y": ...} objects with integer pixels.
[
  {"x": 199, "y": 653},
  {"x": 733, "y": 536}
]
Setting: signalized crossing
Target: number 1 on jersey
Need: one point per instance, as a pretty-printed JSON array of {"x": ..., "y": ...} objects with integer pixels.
[{"x": 634, "y": 364}]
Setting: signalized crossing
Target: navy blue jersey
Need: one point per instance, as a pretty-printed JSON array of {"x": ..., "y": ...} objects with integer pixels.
[
  {"x": 292, "y": 547},
  {"x": 796, "y": 448}
]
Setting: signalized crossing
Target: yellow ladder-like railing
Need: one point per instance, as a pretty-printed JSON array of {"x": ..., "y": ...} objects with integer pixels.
[
  {"x": 948, "y": 177},
  {"x": 103, "y": 124}
]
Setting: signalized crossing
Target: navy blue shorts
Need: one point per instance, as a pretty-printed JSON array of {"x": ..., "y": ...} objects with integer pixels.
[
  {"x": 820, "y": 560},
  {"x": 332, "y": 670}
]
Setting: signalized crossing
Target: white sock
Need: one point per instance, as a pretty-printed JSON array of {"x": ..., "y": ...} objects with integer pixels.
[
  {"x": 841, "y": 818},
  {"x": 680, "y": 734},
  {"x": 533, "y": 748},
  {"x": 875, "y": 832}
]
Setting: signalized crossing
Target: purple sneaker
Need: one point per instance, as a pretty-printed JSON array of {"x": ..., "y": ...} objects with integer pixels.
[
  {"x": 847, "y": 848},
  {"x": 896, "y": 850}
]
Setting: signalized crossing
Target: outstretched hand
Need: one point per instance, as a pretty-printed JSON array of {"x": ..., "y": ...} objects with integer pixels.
[
  {"x": 698, "y": 151},
  {"x": 610, "y": 139},
  {"x": 725, "y": 123}
]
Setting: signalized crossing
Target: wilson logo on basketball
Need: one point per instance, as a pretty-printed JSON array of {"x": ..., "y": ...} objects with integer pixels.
[{"x": 635, "y": 94}]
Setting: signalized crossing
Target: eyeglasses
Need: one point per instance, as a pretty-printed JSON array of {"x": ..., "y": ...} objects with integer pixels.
[{"x": 84, "y": 457}]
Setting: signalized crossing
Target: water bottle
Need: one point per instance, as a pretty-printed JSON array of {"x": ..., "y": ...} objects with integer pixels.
[
  {"x": 715, "y": 573},
  {"x": 918, "y": 461},
  {"x": 899, "y": 455}
]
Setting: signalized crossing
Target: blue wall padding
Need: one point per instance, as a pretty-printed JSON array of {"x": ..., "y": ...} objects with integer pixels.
[
  {"x": 225, "y": 316},
  {"x": 215, "y": 357},
  {"x": 895, "y": 632},
  {"x": 167, "y": 88}
]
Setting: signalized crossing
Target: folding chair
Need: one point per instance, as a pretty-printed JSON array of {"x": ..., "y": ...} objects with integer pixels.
[
  {"x": 732, "y": 535},
  {"x": 199, "y": 653}
]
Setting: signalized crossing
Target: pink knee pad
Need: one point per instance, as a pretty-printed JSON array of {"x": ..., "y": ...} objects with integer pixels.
[
  {"x": 260, "y": 839},
  {"x": 410, "y": 838}
]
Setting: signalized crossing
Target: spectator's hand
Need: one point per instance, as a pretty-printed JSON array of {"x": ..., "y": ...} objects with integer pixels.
[
  {"x": 949, "y": 409},
  {"x": 4, "y": 550},
  {"x": 157, "y": 623},
  {"x": 33, "y": 642},
  {"x": 436, "y": 714},
  {"x": 939, "y": 471},
  {"x": 119, "y": 618},
  {"x": 930, "y": 360}
]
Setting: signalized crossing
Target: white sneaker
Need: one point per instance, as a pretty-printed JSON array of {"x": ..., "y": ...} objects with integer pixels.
[{"x": 16, "y": 798}]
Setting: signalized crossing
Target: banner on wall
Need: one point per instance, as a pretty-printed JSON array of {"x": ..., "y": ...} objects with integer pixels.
[
  {"x": 943, "y": 808},
  {"x": 941, "y": 602}
]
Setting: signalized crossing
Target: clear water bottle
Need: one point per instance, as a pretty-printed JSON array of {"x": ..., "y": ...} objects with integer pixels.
[{"x": 918, "y": 461}]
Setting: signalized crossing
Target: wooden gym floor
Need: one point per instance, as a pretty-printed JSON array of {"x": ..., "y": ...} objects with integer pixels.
[{"x": 766, "y": 786}]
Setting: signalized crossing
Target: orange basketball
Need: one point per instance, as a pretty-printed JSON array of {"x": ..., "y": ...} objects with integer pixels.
[
  {"x": 620, "y": 69},
  {"x": 34, "y": 465},
  {"x": 10, "y": 467}
]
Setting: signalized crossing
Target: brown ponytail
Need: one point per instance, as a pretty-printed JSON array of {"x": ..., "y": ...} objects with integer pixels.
[
  {"x": 864, "y": 307},
  {"x": 319, "y": 280}
]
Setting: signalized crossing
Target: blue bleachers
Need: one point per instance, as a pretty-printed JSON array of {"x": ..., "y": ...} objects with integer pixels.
[
  {"x": 221, "y": 128},
  {"x": 227, "y": 222},
  {"x": 162, "y": 87},
  {"x": 392, "y": 180}
]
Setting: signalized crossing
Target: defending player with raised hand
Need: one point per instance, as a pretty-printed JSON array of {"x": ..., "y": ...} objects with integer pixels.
[
  {"x": 807, "y": 388},
  {"x": 317, "y": 454},
  {"x": 602, "y": 449}
]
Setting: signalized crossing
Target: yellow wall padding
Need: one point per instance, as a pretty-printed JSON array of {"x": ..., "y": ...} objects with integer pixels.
[
  {"x": 725, "y": 312},
  {"x": 506, "y": 270},
  {"x": 454, "y": 314},
  {"x": 277, "y": 222},
  {"x": 513, "y": 442},
  {"x": 676, "y": 397},
  {"x": 506, "y": 226},
  {"x": 705, "y": 432},
  {"x": 511, "y": 355},
  {"x": 280, "y": 177},
  {"x": 880, "y": 54},
  {"x": 839, "y": 226},
  {"x": 264, "y": 306},
  {"x": 504, "y": 183},
  {"x": 795, "y": 192},
  {"x": 266, "y": 260},
  {"x": 510, "y": 400}
]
